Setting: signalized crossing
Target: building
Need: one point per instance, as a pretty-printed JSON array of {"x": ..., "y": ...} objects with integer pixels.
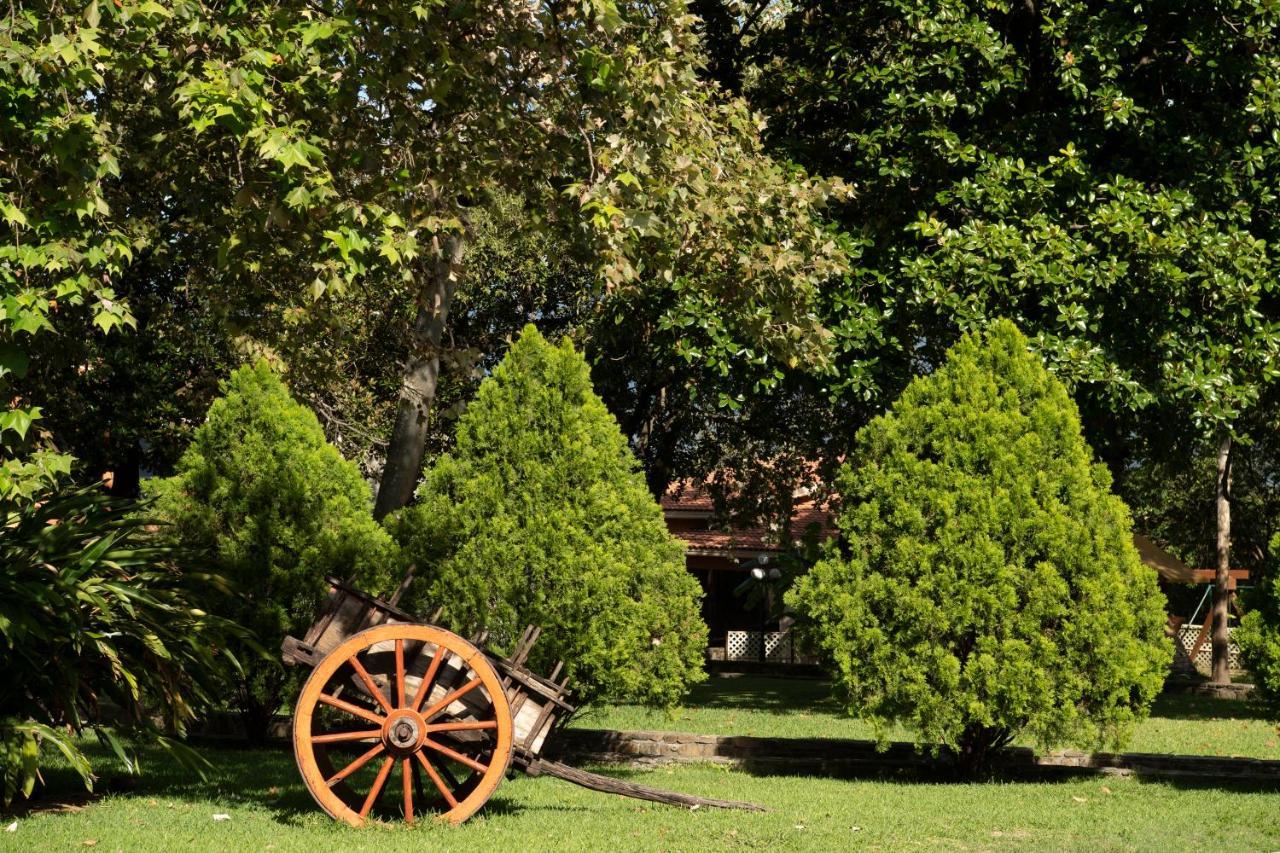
[
  {"x": 734, "y": 565},
  {"x": 722, "y": 558}
]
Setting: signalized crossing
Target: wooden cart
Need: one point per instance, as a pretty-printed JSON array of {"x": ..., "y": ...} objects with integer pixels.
[{"x": 391, "y": 696}]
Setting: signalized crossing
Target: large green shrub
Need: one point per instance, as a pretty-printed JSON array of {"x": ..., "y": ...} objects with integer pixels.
[
  {"x": 988, "y": 584},
  {"x": 276, "y": 509},
  {"x": 98, "y": 632},
  {"x": 540, "y": 516},
  {"x": 1259, "y": 637}
]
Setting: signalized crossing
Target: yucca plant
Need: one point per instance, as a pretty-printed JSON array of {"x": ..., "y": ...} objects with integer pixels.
[{"x": 98, "y": 633}]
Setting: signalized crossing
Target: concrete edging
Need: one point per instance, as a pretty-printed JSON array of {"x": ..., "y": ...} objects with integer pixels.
[{"x": 845, "y": 758}]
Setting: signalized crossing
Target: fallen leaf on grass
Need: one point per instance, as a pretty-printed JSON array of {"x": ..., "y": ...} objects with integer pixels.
[
  {"x": 89, "y": 842},
  {"x": 1080, "y": 799},
  {"x": 13, "y": 827},
  {"x": 1106, "y": 790},
  {"x": 221, "y": 816}
]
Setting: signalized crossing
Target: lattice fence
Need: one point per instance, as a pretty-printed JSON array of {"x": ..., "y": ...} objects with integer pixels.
[
  {"x": 1201, "y": 658},
  {"x": 747, "y": 646}
]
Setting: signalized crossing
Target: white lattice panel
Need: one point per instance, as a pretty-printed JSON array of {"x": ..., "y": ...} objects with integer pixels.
[
  {"x": 1202, "y": 657},
  {"x": 777, "y": 647},
  {"x": 743, "y": 645},
  {"x": 747, "y": 645}
]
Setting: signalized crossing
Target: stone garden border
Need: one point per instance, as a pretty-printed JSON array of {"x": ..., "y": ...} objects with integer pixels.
[{"x": 852, "y": 758}]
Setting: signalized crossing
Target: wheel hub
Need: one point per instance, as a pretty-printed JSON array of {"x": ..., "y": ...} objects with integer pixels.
[{"x": 403, "y": 731}]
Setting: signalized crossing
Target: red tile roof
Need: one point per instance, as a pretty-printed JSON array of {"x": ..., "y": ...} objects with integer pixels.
[{"x": 692, "y": 498}]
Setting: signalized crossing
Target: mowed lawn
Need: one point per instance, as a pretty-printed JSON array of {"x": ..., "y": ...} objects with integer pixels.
[
  {"x": 268, "y": 809},
  {"x": 804, "y": 708}
]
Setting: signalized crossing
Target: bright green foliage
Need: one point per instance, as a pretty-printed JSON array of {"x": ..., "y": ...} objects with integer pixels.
[
  {"x": 97, "y": 626},
  {"x": 62, "y": 243},
  {"x": 1259, "y": 637},
  {"x": 277, "y": 510},
  {"x": 1104, "y": 174},
  {"x": 540, "y": 517},
  {"x": 591, "y": 110},
  {"x": 989, "y": 585}
]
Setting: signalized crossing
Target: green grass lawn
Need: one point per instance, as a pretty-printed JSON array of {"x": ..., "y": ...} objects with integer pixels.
[
  {"x": 168, "y": 809},
  {"x": 801, "y": 708},
  {"x": 269, "y": 810}
]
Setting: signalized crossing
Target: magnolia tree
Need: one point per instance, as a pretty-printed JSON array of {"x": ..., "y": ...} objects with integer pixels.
[
  {"x": 1102, "y": 174},
  {"x": 541, "y": 517},
  {"x": 988, "y": 586}
]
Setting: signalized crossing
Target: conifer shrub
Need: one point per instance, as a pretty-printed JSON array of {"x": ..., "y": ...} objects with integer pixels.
[
  {"x": 540, "y": 516},
  {"x": 1259, "y": 638},
  {"x": 276, "y": 509},
  {"x": 986, "y": 585}
]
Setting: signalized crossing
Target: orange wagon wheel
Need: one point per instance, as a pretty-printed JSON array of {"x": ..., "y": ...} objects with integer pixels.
[{"x": 403, "y": 721}]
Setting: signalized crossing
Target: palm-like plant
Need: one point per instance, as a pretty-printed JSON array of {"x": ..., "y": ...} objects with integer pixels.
[{"x": 99, "y": 631}]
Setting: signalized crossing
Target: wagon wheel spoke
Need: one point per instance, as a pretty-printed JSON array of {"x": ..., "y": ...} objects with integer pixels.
[
  {"x": 424, "y": 688},
  {"x": 354, "y": 710},
  {"x": 417, "y": 784},
  {"x": 377, "y": 787},
  {"x": 400, "y": 674},
  {"x": 435, "y": 778},
  {"x": 464, "y": 760},
  {"x": 355, "y": 765},
  {"x": 435, "y": 710},
  {"x": 463, "y": 726},
  {"x": 406, "y": 775},
  {"x": 369, "y": 683},
  {"x": 340, "y": 737}
]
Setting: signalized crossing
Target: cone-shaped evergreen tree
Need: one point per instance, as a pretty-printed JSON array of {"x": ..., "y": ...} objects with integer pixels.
[
  {"x": 988, "y": 585},
  {"x": 540, "y": 516},
  {"x": 276, "y": 508},
  {"x": 1259, "y": 636}
]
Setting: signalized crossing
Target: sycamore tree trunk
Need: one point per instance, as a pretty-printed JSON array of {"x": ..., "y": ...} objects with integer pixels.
[
  {"x": 1221, "y": 593},
  {"x": 418, "y": 387}
]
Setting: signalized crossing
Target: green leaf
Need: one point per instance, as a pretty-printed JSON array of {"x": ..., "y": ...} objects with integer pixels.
[{"x": 14, "y": 360}]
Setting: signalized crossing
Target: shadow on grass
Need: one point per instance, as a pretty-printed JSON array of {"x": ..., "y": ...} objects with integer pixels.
[
  {"x": 263, "y": 777},
  {"x": 1188, "y": 706},
  {"x": 788, "y": 695},
  {"x": 763, "y": 694}
]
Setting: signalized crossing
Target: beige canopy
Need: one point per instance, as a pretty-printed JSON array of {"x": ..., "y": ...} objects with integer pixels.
[{"x": 1169, "y": 567}]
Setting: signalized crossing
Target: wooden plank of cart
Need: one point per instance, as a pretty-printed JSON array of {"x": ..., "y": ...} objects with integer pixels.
[{"x": 403, "y": 719}]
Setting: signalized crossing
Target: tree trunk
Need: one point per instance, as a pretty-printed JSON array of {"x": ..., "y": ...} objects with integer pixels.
[
  {"x": 977, "y": 748},
  {"x": 1221, "y": 594},
  {"x": 418, "y": 388}
]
